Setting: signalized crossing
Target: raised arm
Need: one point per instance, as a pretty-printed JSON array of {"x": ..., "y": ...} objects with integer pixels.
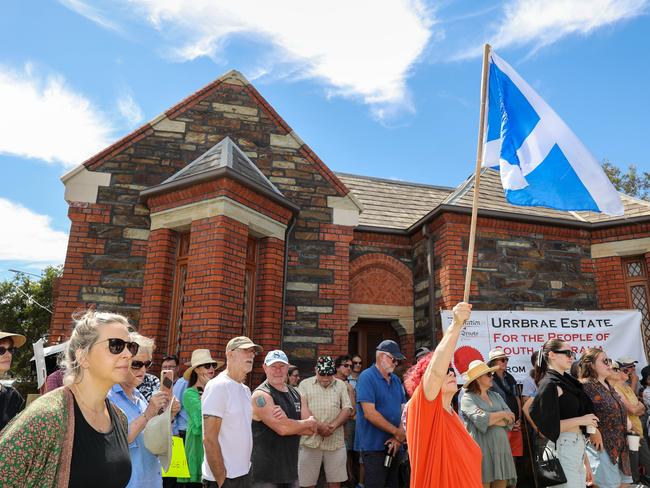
[{"x": 437, "y": 369}]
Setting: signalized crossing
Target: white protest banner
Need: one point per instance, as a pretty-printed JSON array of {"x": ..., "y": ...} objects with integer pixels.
[
  {"x": 39, "y": 360},
  {"x": 520, "y": 333}
]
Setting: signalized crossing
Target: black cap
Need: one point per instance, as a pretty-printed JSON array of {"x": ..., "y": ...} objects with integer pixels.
[{"x": 391, "y": 348}]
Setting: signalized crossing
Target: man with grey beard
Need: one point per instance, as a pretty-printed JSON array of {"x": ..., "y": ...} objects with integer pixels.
[{"x": 379, "y": 434}]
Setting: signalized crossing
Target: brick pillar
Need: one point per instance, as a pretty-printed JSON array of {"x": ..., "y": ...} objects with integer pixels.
[
  {"x": 75, "y": 276},
  {"x": 610, "y": 283},
  {"x": 158, "y": 289},
  {"x": 339, "y": 290},
  {"x": 268, "y": 299},
  {"x": 214, "y": 290}
]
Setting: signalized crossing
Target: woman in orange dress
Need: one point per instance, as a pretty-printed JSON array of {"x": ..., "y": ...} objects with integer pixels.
[{"x": 442, "y": 453}]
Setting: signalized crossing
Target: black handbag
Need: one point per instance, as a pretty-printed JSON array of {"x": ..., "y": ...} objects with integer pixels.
[{"x": 549, "y": 471}]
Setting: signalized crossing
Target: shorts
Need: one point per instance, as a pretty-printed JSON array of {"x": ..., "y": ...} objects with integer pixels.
[
  {"x": 606, "y": 473},
  {"x": 310, "y": 460}
]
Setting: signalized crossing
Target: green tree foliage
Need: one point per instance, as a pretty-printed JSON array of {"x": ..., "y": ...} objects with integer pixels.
[
  {"x": 631, "y": 182},
  {"x": 20, "y": 313}
]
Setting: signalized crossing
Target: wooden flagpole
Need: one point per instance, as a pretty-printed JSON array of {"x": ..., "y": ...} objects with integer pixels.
[{"x": 477, "y": 174}]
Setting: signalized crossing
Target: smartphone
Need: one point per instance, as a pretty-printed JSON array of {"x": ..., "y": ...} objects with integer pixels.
[{"x": 167, "y": 380}]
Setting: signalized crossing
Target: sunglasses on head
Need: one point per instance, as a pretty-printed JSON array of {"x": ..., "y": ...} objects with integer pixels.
[
  {"x": 10, "y": 349},
  {"x": 140, "y": 364},
  {"x": 116, "y": 346},
  {"x": 567, "y": 352}
]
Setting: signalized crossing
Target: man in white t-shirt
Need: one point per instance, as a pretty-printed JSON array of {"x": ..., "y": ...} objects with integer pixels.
[{"x": 227, "y": 416}]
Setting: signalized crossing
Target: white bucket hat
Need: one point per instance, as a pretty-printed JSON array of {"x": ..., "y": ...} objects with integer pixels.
[{"x": 158, "y": 437}]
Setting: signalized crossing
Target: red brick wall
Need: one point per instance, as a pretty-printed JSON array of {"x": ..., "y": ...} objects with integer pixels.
[
  {"x": 380, "y": 279},
  {"x": 75, "y": 276},
  {"x": 157, "y": 290},
  {"x": 214, "y": 290}
]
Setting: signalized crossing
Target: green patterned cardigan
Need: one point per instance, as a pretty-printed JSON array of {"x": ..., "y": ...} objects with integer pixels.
[{"x": 36, "y": 446}]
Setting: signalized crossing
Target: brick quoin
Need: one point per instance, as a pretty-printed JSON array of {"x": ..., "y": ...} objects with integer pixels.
[{"x": 75, "y": 274}]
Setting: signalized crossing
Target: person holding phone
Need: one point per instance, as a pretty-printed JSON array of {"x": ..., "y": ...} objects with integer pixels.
[
  {"x": 488, "y": 419},
  {"x": 146, "y": 469},
  {"x": 561, "y": 409},
  {"x": 73, "y": 436}
]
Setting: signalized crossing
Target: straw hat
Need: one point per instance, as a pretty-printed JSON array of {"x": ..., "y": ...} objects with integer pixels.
[
  {"x": 158, "y": 437},
  {"x": 199, "y": 358},
  {"x": 477, "y": 369},
  {"x": 18, "y": 339}
]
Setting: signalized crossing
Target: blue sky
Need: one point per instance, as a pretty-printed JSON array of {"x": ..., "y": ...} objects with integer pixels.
[{"x": 375, "y": 87}]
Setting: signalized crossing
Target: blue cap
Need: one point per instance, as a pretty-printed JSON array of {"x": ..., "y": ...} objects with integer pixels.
[
  {"x": 391, "y": 348},
  {"x": 276, "y": 356}
]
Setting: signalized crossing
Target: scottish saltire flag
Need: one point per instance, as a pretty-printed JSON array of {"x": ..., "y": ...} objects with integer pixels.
[{"x": 542, "y": 163}]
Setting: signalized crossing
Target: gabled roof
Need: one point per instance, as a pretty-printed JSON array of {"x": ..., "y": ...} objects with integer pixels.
[
  {"x": 224, "y": 158},
  {"x": 401, "y": 206},
  {"x": 393, "y": 204}
]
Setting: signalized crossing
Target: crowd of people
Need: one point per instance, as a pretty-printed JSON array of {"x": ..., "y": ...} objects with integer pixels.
[{"x": 108, "y": 422}]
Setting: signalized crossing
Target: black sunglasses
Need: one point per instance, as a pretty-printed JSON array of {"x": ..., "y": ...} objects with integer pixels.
[
  {"x": 209, "y": 366},
  {"x": 346, "y": 365},
  {"x": 567, "y": 352},
  {"x": 10, "y": 349},
  {"x": 139, "y": 364},
  {"x": 116, "y": 346},
  {"x": 451, "y": 370},
  {"x": 356, "y": 362}
]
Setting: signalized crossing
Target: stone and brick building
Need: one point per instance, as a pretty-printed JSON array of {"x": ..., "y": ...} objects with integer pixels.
[{"x": 215, "y": 219}]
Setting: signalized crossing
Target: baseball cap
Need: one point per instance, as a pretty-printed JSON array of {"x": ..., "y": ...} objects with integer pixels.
[
  {"x": 325, "y": 366},
  {"x": 421, "y": 352},
  {"x": 391, "y": 348},
  {"x": 276, "y": 356},
  {"x": 241, "y": 342},
  {"x": 626, "y": 362}
]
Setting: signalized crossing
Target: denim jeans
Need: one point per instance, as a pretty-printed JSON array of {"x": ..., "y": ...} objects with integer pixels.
[{"x": 570, "y": 450}]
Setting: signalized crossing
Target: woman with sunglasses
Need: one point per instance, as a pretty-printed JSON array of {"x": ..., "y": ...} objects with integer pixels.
[
  {"x": 203, "y": 368},
  {"x": 73, "y": 436},
  {"x": 488, "y": 420},
  {"x": 146, "y": 470},
  {"x": 442, "y": 453},
  {"x": 11, "y": 402},
  {"x": 608, "y": 453},
  {"x": 561, "y": 409}
]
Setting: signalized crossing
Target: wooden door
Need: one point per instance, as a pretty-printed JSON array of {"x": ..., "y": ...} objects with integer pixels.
[{"x": 366, "y": 335}]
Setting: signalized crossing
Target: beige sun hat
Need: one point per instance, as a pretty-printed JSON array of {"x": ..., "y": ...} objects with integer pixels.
[
  {"x": 158, "y": 437},
  {"x": 477, "y": 368},
  {"x": 18, "y": 339},
  {"x": 496, "y": 353},
  {"x": 199, "y": 358}
]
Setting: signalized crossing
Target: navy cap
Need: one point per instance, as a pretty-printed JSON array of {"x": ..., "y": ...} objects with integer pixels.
[{"x": 391, "y": 348}]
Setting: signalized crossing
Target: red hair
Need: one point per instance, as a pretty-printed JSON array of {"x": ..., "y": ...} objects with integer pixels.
[{"x": 414, "y": 374}]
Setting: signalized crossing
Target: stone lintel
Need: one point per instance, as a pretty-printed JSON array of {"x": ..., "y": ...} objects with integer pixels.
[
  {"x": 403, "y": 314},
  {"x": 629, "y": 247},
  {"x": 345, "y": 210},
  {"x": 162, "y": 123},
  {"x": 286, "y": 141},
  {"x": 181, "y": 217},
  {"x": 82, "y": 185}
]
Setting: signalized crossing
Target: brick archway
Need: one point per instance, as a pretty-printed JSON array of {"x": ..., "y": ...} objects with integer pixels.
[
  {"x": 379, "y": 279},
  {"x": 381, "y": 287}
]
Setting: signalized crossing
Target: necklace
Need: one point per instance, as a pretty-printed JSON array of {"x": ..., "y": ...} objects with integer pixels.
[{"x": 95, "y": 413}]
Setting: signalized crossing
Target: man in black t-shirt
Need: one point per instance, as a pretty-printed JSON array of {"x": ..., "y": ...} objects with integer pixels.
[{"x": 280, "y": 417}]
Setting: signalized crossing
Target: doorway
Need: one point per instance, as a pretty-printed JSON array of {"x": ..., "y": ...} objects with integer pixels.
[{"x": 366, "y": 335}]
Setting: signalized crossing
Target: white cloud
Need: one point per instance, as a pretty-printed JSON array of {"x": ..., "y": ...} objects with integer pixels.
[
  {"x": 31, "y": 238},
  {"x": 42, "y": 118},
  {"x": 361, "y": 48},
  {"x": 540, "y": 23},
  {"x": 129, "y": 109},
  {"x": 91, "y": 13}
]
